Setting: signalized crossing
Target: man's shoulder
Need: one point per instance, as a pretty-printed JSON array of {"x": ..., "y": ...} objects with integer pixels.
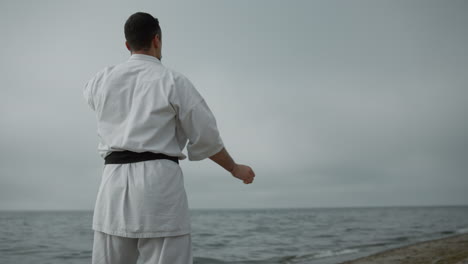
[
  {"x": 184, "y": 90},
  {"x": 175, "y": 75},
  {"x": 181, "y": 80},
  {"x": 106, "y": 70}
]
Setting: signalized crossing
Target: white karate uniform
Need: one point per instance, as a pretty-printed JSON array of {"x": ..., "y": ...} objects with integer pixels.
[
  {"x": 141, "y": 105},
  {"x": 155, "y": 250}
]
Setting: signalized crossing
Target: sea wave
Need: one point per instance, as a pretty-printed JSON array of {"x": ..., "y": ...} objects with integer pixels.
[
  {"x": 203, "y": 260},
  {"x": 289, "y": 259}
]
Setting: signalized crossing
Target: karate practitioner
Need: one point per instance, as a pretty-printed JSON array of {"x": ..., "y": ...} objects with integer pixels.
[{"x": 146, "y": 114}]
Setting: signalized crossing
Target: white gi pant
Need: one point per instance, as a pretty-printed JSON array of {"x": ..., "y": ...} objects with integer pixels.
[{"x": 110, "y": 249}]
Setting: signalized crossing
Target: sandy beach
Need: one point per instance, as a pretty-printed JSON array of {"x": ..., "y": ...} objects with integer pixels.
[{"x": 450, "y": 250}]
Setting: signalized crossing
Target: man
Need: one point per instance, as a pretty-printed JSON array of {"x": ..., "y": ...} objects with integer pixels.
[{"x": 145, "y": 114}]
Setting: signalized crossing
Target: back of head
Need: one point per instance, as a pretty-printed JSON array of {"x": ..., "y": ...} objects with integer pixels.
[{"x": 140, "y": 29}]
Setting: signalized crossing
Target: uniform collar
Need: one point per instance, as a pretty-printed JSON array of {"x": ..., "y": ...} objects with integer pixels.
[{"x": 144, "y": 57}]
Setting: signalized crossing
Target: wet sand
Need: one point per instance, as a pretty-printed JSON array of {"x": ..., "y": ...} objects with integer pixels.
[{"x": 450, "y": 250}]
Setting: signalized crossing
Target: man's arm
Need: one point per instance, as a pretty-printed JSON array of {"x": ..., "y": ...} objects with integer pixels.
[
  {"x": 242, "y": 172},
  {"x": 199, "y": 124}
]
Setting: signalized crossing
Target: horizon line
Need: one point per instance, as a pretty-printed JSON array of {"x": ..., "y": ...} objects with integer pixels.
[{"x": 252, "y": 208}]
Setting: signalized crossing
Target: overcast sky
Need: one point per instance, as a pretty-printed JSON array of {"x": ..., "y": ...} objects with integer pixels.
[{"x": 332, "y": 103}]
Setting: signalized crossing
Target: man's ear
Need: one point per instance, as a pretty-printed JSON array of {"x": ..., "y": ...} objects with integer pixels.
[
  {"x": 128, "y": 46},
  {"x": 156, "y": 41}
]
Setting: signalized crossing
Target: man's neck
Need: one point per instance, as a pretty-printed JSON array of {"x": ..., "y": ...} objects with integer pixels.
[{"x": 149, "y": 53}]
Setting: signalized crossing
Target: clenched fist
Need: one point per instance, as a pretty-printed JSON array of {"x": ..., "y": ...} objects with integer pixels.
[{"x": 244, "y": 173}]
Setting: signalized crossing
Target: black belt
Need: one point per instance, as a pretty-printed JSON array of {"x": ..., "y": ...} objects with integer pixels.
[{"x": 127, "y": 156}]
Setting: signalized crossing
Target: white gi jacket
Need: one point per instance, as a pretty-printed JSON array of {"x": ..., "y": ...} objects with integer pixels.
[{"x": 141, "y": 105}]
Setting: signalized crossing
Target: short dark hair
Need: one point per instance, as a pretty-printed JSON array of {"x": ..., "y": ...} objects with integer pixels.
[{"x": 140, "y": 29}]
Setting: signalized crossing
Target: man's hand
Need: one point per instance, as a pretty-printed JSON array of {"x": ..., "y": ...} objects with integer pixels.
[
  {"x": 244, "y": 173},
  {"x": 241, "y": 172}
]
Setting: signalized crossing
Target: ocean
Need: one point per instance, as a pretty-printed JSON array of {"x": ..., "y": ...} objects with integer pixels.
[{"x": 315, "y": 235}]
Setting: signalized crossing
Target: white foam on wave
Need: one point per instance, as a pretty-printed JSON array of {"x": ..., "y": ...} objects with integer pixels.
[
  {"x": 462, "y": 230},
  {"x": 333, "y": 253}
]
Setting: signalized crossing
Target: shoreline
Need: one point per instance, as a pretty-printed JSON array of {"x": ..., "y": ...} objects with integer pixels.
[{"x": 447, "y": 250}]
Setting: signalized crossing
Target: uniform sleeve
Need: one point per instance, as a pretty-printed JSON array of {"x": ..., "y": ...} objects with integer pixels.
[
  {"x": 88, "y": 95},
  {"x": 196, "y": 120},
  {"x": 199, "y": 125}
]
